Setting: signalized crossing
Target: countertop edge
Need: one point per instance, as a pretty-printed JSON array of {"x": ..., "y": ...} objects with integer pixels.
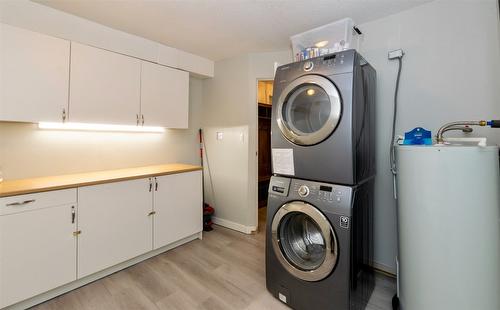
[{"x": 69, "y": 185}]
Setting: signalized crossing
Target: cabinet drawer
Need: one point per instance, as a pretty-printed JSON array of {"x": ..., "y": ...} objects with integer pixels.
[{"x": 22, "y": 203}]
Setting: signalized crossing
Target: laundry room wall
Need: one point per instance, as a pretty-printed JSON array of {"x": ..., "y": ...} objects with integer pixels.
[
  {"x": 230, "y": 109},
  {"x": 225, "y": 113},
  {"x": 26, "y": 151},
  {"x": 451, "y": 71}
]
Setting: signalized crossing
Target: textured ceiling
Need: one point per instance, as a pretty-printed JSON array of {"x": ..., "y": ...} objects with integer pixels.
[{"x": 219, "y": 29}]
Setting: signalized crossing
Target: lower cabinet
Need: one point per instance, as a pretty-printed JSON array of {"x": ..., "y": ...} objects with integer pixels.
[
  {"x": 115, "y": 224},
  {"x": 37, "y": 245},
  {"x": 178, "y": 207},
  {"x": 47, "y": 240}
]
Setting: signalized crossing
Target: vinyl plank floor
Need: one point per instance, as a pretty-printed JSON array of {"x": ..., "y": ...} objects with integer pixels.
[{"x": 225, "y": 270}]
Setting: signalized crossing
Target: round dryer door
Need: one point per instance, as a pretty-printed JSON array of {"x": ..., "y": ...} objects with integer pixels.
[
  {"x": 304, "y": 241},
  {"x": 309, "y": 110}
]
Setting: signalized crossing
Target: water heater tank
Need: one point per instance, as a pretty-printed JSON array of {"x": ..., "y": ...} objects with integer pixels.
[{"x": 449, "y": 226}]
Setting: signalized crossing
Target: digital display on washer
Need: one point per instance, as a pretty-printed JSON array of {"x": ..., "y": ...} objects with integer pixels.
[
  {"x": 329, "y": 57},
  {"x": 325, "y": 188}
]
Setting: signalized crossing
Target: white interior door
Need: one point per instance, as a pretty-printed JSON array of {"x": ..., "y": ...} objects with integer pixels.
[
  {"x": 34, "y": 75},
  {"x": 115, "y": 224},
  {"x": 178, "y": 205},
  {"x": 164, "y": 96},
  {"x": 105, "y": 86},
  {"x": 37, "y": 252}
]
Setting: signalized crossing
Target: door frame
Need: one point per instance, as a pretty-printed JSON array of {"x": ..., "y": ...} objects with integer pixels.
[{"x": 256, "y": 135}]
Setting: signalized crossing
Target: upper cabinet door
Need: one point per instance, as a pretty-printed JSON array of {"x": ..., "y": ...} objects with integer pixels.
[
  {"x": 34, "y": 76},
  {"x": 164, "y": 96},
  {"x": 105, "y": 86}
]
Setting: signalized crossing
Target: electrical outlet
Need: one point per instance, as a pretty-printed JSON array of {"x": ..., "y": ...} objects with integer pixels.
[{"x": 396, "y": 54}]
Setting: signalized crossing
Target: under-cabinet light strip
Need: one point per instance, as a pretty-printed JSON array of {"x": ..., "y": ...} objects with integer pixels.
[{"x": 99, "y": 127}]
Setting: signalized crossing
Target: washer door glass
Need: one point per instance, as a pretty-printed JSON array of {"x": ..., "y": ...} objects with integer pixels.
[
  {"x": 309, "y": 110},
  {"x": 304, "y": 241}
]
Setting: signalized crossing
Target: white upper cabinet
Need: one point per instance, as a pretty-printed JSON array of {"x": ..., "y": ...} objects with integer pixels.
[
  {"x": 164, "y": 96},
  {"x": 105, "y": 86},
  {"x": 34, "y": 75}
]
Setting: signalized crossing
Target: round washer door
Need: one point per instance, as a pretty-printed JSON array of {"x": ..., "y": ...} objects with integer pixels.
[
  {"x": 304, "y": 241},
  {"x": 309, "y": 110}
]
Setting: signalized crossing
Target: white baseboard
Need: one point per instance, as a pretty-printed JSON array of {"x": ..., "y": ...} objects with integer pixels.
[
  {"x": 234, "y": 226},
  {"x": 387, "y": 269},
  {"x": 96, "y": 276}
]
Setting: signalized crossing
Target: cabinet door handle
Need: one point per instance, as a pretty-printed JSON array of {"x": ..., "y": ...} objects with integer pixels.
[
  {"x": 20, "y": 203},
  {"x": 137, "y": 119},
  {"x": 150, "y": 185},
  {"x": 151, "y": 213},
  {"x": 142, "y": 119},
  {"x": 64, "y": 115},
  {"x": 156, "y": 185},
  {"x": 73, "y": 214}
]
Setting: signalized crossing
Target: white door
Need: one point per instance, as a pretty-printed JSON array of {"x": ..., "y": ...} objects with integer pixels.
[
  {"x": 115, "y": 224},
  {"x": 37, "y": 252},
  {"x": 105, "y": 86},
  {"x": 34, "y": 76},
  {"x": 164, "y": 96},
  {"x": 178, "y": 205}
]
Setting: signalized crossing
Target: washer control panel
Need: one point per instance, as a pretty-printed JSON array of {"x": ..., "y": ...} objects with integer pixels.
[
  {"x": 279, "y": 186},
  {"x": 336, "y": 195}
]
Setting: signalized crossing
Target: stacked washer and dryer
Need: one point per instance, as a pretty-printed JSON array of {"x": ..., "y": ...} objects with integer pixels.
[{"x": 319, "y": 243}]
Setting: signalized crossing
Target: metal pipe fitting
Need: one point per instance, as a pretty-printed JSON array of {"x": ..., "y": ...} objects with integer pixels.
[
  {"x": 464, "y": 129},
  {"x": 460, "y": 125}
]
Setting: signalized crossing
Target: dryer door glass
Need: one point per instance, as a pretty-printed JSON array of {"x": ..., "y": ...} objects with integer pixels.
[
  {"x": 309, "y": 110},
  {"x": 304, "y": 241}
]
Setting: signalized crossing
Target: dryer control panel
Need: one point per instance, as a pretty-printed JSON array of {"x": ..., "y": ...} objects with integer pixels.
[{"x": 337, "y": 63}]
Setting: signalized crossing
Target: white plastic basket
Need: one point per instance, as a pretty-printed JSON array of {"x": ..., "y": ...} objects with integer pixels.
[{"x": 327, "y": 39}]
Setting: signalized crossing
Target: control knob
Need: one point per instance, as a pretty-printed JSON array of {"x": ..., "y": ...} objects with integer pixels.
[
  {"x": 303, "y": 191},
  {"x": 308, "y": 65}
]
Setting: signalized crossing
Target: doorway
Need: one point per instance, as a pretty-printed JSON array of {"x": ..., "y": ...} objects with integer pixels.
[{"x": 264, "y": 102}]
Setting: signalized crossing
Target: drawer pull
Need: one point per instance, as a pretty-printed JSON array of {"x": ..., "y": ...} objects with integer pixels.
[{"x": 20, "y": 203}]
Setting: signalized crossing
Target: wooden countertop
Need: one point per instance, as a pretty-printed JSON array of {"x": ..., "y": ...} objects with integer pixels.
[{"x": 43, "y": 184}]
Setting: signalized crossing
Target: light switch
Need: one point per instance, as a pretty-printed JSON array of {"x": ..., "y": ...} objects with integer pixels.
[{"x": 220, "y": 135}]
